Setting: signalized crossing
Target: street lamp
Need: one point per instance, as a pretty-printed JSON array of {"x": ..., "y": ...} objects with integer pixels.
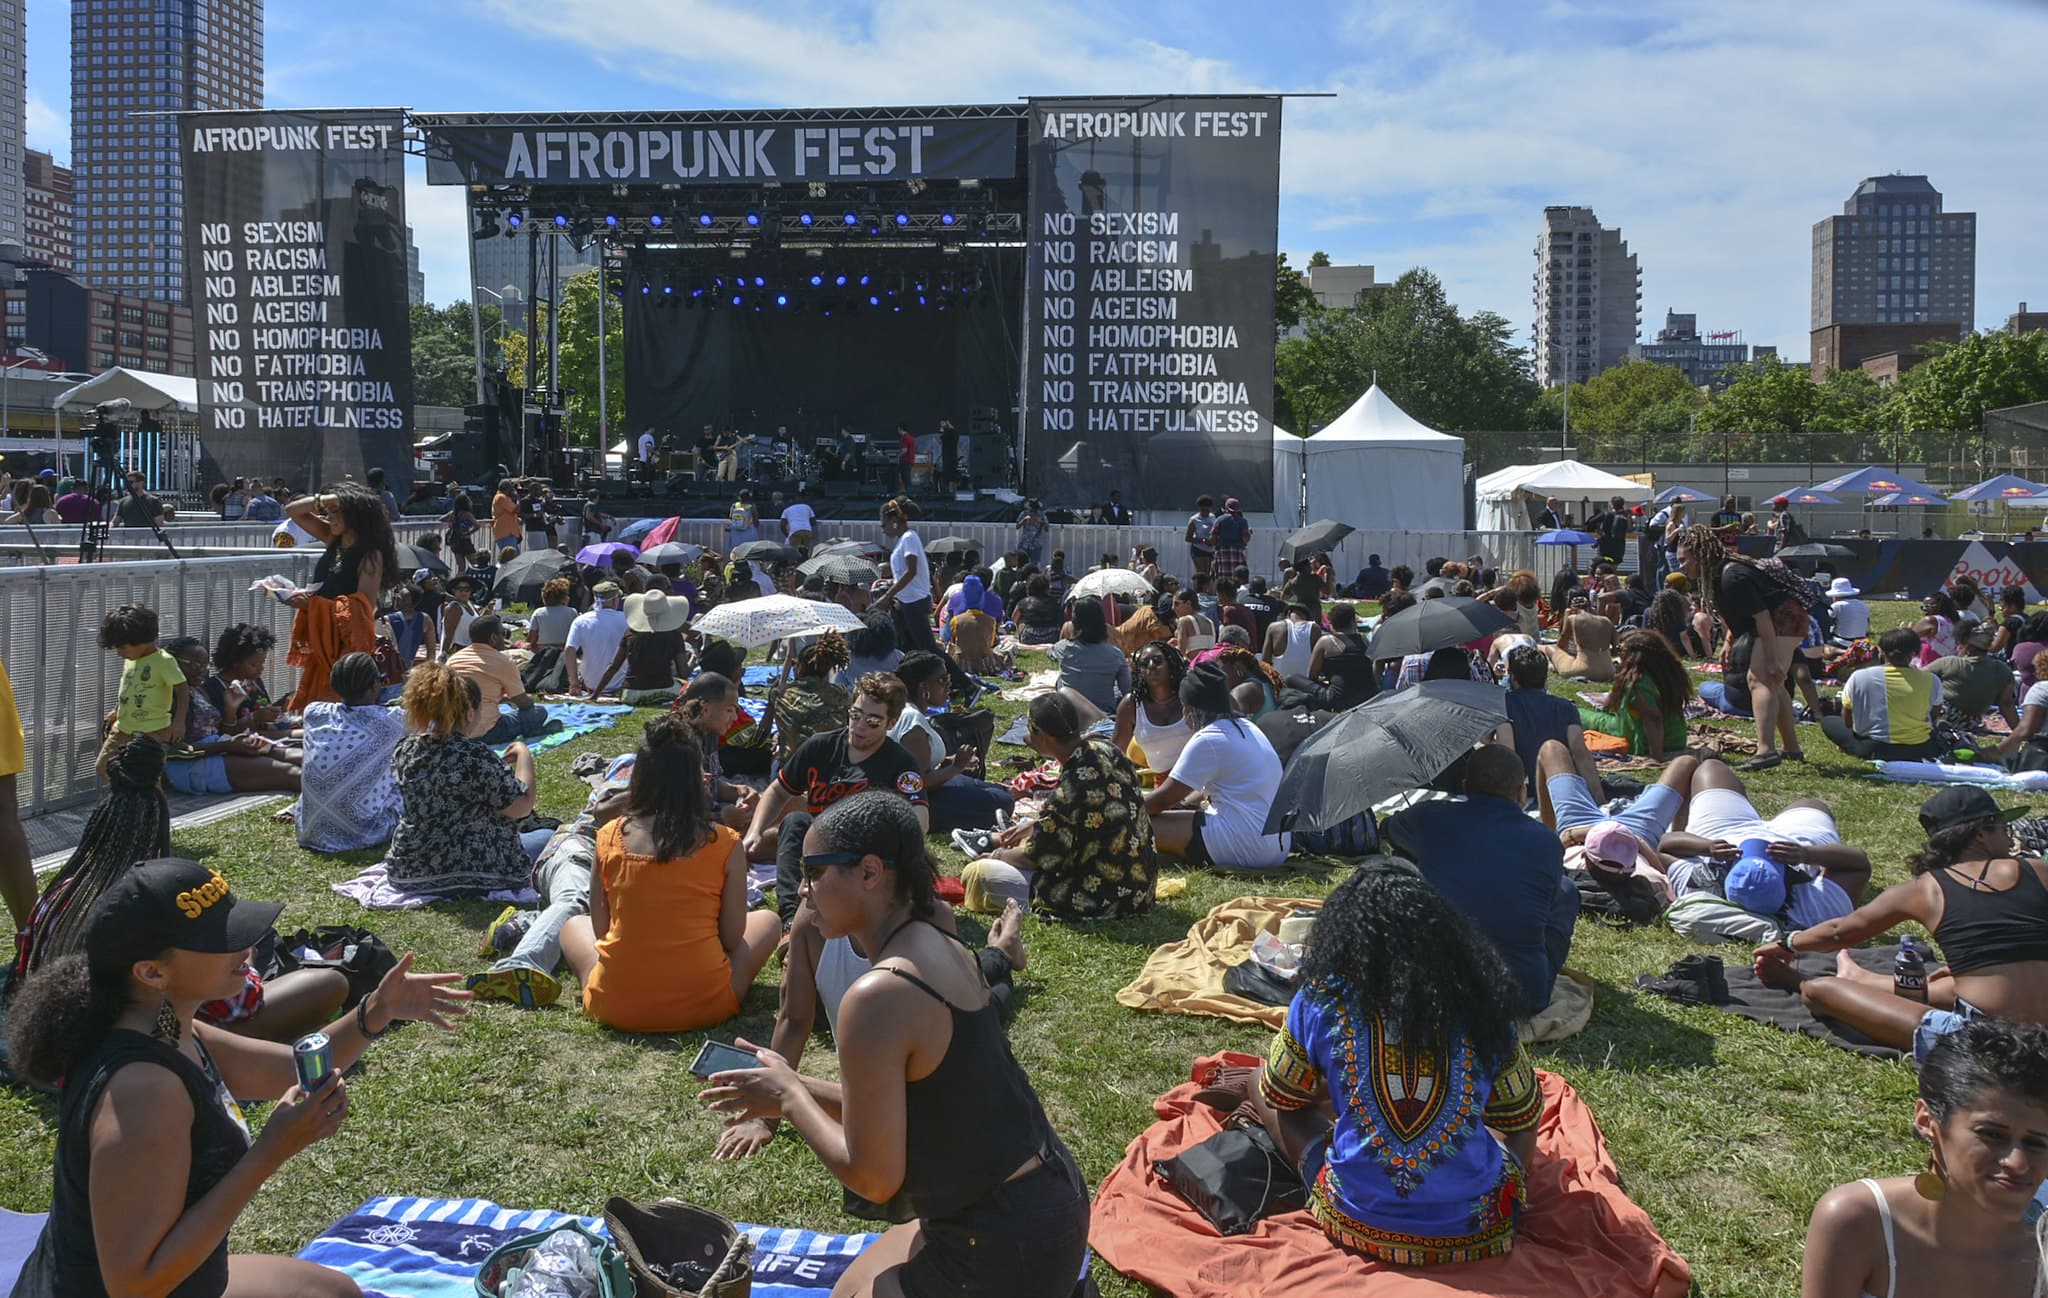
[{"x": 29, "y": 356}]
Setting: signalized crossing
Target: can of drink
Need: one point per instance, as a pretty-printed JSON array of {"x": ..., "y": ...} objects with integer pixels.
[
  {"x": 1909, "y": 973},
  {"x": 315, "y": 1059}
]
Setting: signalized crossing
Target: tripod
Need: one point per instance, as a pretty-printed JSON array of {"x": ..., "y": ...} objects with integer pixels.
[{"x": 104, "y": 470}]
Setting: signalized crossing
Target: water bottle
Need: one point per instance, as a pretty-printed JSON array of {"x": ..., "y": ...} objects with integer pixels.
[{"x": 1909, "y": 973}]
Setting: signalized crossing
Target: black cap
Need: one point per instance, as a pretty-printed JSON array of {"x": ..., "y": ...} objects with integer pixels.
[
  {"x": 1962, "y": 804},
  {"x": 172, "y": 904},
  {"x": 1206, "y": 689}
]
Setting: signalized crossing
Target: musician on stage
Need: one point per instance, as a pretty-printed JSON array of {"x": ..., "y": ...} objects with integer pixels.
[
  {"x": 728, "y": 452},
  {"x": 906, "y": 456},
  {"x": 707, "y": 453}
]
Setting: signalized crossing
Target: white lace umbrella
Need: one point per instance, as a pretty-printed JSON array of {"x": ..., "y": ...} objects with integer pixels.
[
  {"x": 1120, "y": 582},
  {"x": 753, "y": 622}
]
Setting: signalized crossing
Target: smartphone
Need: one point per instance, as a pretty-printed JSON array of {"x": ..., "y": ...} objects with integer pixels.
[{"x": 718, "y": 1057}]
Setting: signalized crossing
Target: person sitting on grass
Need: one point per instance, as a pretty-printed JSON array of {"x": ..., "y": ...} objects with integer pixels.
[
  {"x": 654, "y": 656},
  {"x": 959, "y": 799},
  {"x": 711, "y": 704},
  {"x": 458, "y": 614},
  {"x": 1090, "y": 666},
  {"x": 484, "y": 664},
  {"x": 808, "y": 703},
  {"x": 209, "y": 763},
  {"x": 236, "y": 688},
  {"x": 1974, "y": 681},
  {"x": 1585, "y": 641},
  {"x": 1538, "y": 717},
  {"x": 1150, "y": 715},
  {"x": 923, "y": 1059},
  {"x": 1396, "y": 982},
  {"x": 1987, "y": 908},
  {"x": 1965, "y": 1224},
  {"x": 1090, "y": 854},
  {"x": 348, "y": 796},
  {"x": 1888, "y": 710},
  {"x": 1646, "y": 705},
  {"x": 668, "y": 944},
  {"x": 1231, "y": 766},
  {"x": 547, "y": 635},
  {"x": 458, "y": 833},
  {"x": 154, "y": 1161}
]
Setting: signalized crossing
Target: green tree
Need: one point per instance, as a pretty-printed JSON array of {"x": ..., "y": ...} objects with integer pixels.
[
  {"x": 1292, "y": 302},
  {"x": 1453, "y": 372},
  {"x": 1848, "y": 401},
  {"x": 577, "y": 343},
  {"x": 1318, "y": 259},
  {"x": 444, "y": 353},
  {"x": 1763, "y": 414},
  {"x": 1950, "y": 391},
  {"x": 1613, "y": 411}
]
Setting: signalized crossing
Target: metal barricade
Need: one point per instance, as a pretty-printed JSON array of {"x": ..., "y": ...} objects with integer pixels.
[
  {"x": 65, "y": 684},
  {"x": 215, "y": 534}
]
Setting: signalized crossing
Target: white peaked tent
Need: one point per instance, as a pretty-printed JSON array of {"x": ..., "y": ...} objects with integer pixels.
[
  {"x": 1376, "y": 468},
  {"x": 1505, "y": 495}
]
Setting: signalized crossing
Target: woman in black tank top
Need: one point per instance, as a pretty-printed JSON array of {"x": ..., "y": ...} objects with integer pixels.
[
  {"x": 1988, "y": 911},
  {"x": 934, "y": 1126},
  {"x": 149, "y": 1092}
]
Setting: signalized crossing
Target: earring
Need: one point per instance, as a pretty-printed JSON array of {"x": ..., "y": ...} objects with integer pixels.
[
  {"x": 167, "y": 1028},
  {"x": 1931, "y": 1185}
]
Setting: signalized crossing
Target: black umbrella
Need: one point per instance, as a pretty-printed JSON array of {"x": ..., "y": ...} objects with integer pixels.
[
  {"x": 411, "y": 558},
  {"x": 1437, "y": 624},
  {"x": 766, "y": 552},
  {"x": 519, "y": 581},
  {"x": 1816, "y": 550},
  {"x": 1322, "y": 535},
  {"x": 1392, "y": 744},
  {"x": 841, "y": 569},
  {"x": 946, "y": 546}
]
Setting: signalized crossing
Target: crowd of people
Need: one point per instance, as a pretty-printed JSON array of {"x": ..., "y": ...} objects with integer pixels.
[{"x": 1161, "y": 730}]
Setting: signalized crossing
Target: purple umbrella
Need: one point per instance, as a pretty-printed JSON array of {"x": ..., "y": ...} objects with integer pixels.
[{"x": 600, "y": 555}]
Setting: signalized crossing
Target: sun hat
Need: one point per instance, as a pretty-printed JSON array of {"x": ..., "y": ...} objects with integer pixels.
[
  {"x": 655, "y": 612},
  {"x": 1962, "y": 804},
  {"x": 606, "y": 590},
  {"x": 1842, "y": 588},
  {"x": 172, "y": 904}
]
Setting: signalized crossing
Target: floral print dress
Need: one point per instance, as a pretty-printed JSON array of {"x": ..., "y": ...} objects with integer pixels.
[
  {"x": 1093, "y": 846},
  {"x": 453, "y": 837}
]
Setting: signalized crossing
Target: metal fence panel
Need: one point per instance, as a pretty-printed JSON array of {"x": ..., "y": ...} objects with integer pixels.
[{"x": 65, "y": 684}]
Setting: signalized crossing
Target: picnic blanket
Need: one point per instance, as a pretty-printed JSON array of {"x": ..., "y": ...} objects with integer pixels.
[
  {"x": 402, "y": 1247},
  {"x": 1186, "y": 977},
  {"x": 1580, "y": 1234},
  {"x": 1783, "y": 1009},
  {"x": 18, "y": 1232},
  {"x": 373, "y": 890},
  {"x": 1989, "y": 777},
  {"x": 578, "y": 719}
]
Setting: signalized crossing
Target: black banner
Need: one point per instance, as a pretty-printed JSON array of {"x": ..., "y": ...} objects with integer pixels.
[
  {"x": 295, "y": 249},
  {"x": 687, "y": 151},
  {"x": 1149, "y": 318}
]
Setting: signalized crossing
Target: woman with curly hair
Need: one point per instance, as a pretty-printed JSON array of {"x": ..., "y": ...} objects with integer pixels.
[
  {"x": 809, "y": 702},
  {"x": 1151, "y": 712},
  {"x": 458, "y": 833},
  {"x": 1746, "y": 598},
  {"x": 1646, "y": 705},
  {"x": 338, "y": 616},
  {"x": 1396, "y": 983}
]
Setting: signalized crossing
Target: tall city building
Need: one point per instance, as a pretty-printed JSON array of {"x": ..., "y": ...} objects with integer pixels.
[
  {"x": 48, "y": 226},
  {"x": 135, "y": 57},
  {"x": 1680, "y": 344},
  {"x": 415, "y": 278},
  {"x": 13, "y": 120},
  {"x": 501, "y": 261},
  {"x": 1589, "y": 297},
  {"x": 1894, "y": 257}
]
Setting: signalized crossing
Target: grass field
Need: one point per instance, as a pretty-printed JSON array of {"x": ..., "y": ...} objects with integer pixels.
[{"x": 1726, "y": 1131}]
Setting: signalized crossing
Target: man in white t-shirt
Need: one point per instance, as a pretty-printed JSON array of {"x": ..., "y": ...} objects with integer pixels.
[
  {"x": 1851, "y": 615},
  {"x": 1232, "y": 764},
  {"x": 799, "y": 524},
  {"x": 594, "y": 640},
  {"x": 646, "y": 459}
]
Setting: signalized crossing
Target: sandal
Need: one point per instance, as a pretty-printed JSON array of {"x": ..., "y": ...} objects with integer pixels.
[{"x": 1761, "y": 762}]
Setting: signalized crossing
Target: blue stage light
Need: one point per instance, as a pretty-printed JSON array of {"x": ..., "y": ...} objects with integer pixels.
[
  {"x": 863, "y": 281},
  {"x": 920, "y": 299},
  {"x": 874, "y": 301},
  {"x": 803, "y": 218},
  {"x": 760, "y": 282},
  {"x": 561, "y": 221},
  {"x": 839, "y": 280},
  {"x": 514, "y": 220},
  {"x": 655, "y": 220},
  {"x": 945, "y": 218},
  {"x": 611, "y": 220},
  {"x": 853, "y": 218},
  {"x": 903, "y": 218},
  {"x": 782, "y": 299},
  {"x": 753, "y": 218},
  {"x": 735, "y": 299},
  {"x": 817, "y": 281},
  {"x": 704, "y": 218}
]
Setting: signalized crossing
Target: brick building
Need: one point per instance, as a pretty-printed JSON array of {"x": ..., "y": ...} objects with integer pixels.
[
  {"x": 50, "y": 237},
  {"x": 90, "y": 330}
]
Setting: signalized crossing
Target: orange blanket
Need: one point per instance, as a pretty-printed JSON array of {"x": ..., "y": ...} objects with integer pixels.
[
  {"x": 323, "y": 632},
  {"x": 1580, "y": 1235}
]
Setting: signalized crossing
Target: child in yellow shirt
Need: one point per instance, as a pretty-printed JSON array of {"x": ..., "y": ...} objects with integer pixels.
[{"x": 154, "y": 698}]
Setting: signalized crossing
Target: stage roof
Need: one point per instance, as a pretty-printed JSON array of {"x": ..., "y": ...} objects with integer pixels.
[{"x": 146, "y": 391}]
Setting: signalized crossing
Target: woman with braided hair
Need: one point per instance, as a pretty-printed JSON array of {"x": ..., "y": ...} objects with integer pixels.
[
  {"x": 1746, "y": 599},
  {"x": 809, "y": 703}
]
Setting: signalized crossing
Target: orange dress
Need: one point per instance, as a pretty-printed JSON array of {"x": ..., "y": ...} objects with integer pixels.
[
  {"x": 660, "y": 966},
  {"x": 323, "y": 632}
]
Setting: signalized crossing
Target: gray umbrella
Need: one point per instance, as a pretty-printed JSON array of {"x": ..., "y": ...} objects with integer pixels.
[
  {"x": 842, "y": 569},
  {"x": 1392, "y": 744},
  {"x": 1437, "y": 624},
  {"x": 1323, "y": 535},
  {"x": 411, "y": 558},
  {"x": 519, "y": 581},
  {"x": 766, "y": 552},
  {"x": 950, "y": 545},
  {"x": 1816, "y": 550}
]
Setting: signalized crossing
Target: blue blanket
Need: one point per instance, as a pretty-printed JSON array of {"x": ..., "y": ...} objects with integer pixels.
[
  {"x": 431, "y": 1248},
  {"x": 578, "y": 719}
]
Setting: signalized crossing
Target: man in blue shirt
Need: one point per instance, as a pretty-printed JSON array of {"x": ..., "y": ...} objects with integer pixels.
[
  {"x": 1373, "y": 580},
  {"x": 1501, "y": 867},
  {"x": 1538, "y": 716}
]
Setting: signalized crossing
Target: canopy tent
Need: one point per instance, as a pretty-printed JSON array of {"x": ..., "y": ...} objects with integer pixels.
[
  {"x": 140, "y": 388},
  {"x": 1504, "y": 494},
  {"x": 1376, "y": 467}
]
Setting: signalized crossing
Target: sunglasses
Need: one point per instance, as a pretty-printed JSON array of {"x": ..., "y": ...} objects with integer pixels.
[
  {"x": 875, "y": 719},
  {"x": 814, "y": 866}
]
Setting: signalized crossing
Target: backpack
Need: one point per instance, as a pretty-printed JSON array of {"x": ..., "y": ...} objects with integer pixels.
[{"x": 1808, "y": 593}]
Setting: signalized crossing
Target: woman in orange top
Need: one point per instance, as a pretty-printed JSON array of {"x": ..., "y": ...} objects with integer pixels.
[
  {"x": 669, "y": 945},
  {"x": 337, "y": 615}
]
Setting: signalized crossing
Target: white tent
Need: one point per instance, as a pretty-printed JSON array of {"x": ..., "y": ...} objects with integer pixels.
[
  {"x": 1375, "y": 467},
  {"x": 140, "y": 388},
  {"x": 1505, "y": 494}
]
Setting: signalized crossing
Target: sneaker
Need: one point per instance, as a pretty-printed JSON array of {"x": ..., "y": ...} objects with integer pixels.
[
  {"x": 973, "y": 842},
  {"x": 488, "y": 947},
  {"x": 1694, "y": 980},
  {"x": 510, "y": 931},
  {"x": 525, "y": 987}
]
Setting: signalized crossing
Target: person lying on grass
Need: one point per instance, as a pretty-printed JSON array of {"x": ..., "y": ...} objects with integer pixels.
[
  {"x": 923, "y": 1059},
  {"x": 1987, "y": 908},
  {"x": 1963, "y": 1225}
]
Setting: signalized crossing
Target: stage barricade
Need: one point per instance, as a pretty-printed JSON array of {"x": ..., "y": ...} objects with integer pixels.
[
  {"x": 213, "y": 534},
  {"x": 65, "y": 684}
]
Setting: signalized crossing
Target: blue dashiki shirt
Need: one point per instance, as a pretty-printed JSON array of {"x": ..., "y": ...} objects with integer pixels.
[{"x": 1410, "y": 1174}]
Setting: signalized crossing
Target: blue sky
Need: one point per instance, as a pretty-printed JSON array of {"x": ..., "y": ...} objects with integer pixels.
[{"x": 1714, "y": 136}]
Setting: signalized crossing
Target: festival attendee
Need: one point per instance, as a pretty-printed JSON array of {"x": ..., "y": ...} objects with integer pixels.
[
  {"x": 827, "y": 768},
  {"x": 1974, "y": 681},
  {"x": 1612, "y": 526},
  {"x": 505, "y": 529},
  {"x": 1987, "y": 908},
  {"x": 872, "y": 649},
  {"x": 1585, "y": 641},
  {"x": 909, "y": 596},
  {"x": 374, "y": 480},
  {"x": 597, "y": 525},
  {"x": 972, "y": 635},
  {"x": 1290, "y": 644},
  {"x": 1192, "y": 632},
  {"x": 958, "y": 799},
  {"x": 1038, "y": 614},
  {"x": 1810, "y": 875},
  {"x": 1395, "y": 974},
  {"x": 349, "y": 797},
  {"x": 1089, "y": 665},
  {"x": 1501, "y": 869},
  {"x": 1852, "y": 615},
  {"x": 458, "y": 833},
  {"x": 1006, "y": 1214},
  {"x": 1538, "y": 717},
  {"x": 1341, "y": 673},
  {"x": 1646, "y": 705},
  {"x": 799, "y": 526},
  {"x": 154, "y": 1160},
  {"x": 1747, "y": 599},
  {"x": 1201, "y": 534},
  {"x": 1671, "y": 618},
  {"x": 1150, "y": 714},
  {"x": 1888, "y": 710},
  {"x": 413, "y": 632},
  {"x": 594, "y": 639},
  {"x": 17, "y": 873},
  {"x": 75, "y": 504},
  {"x": 1032, "y": 527},
  {"x": 337, "y": 615},
  {"x": 1937, "y": 627},
  {"x": 1254, "y": 685},
  {"x": 210, "y": 763},
  {"x": 1373, "y": 580},
  {"x": 654, "y": 657},
  {"x": 484, "y": 664},
  {"x": 1234, "y": 770},
  {"x": 808, "y": 702},
  {"x": 138, "y": 508},
  {"x": 906, "y": 457},
  {"x": 38, "y": 510},
  {"x": 154, "y": 699}
]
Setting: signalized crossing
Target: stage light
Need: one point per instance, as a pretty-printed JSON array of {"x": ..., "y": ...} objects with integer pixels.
[
  {"x": 863, "y": 281},
  {"x": 753, "y": 218},
  {"x": 853, "y": 218},
  {"x": 946, "y": 218},
  {"x": 737, "y": 299},
  {"x": 514, "y": 220},
  {"x": 803, "y": 218},
  {"x": 782, "y": 299},
  {"x": 920, "y": 299},
  {"x": 817, "y": 281},
  {"x": 874, "y": 301},
  {"x": 611, "y": 220},
  {"x": 760, "y": 282},
  {"x": 561, "y": 220},
  {"x": 897, "y": 309},
  {"x": 486, "y": 225},
  {"x": 839, "y": 281},
  {"x": 645, "y": 288},
  {"x": 704, "y": 219},
  {"x": 903, "y": 218}
]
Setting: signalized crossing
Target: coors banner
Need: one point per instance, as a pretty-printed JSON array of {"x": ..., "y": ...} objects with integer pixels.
[
  {"x": 295, "y": 250},
  {"x": 1149, "y": 300}
]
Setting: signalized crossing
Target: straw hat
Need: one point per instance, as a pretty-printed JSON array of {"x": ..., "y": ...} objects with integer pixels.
[{"x": 655, "y": 611}]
